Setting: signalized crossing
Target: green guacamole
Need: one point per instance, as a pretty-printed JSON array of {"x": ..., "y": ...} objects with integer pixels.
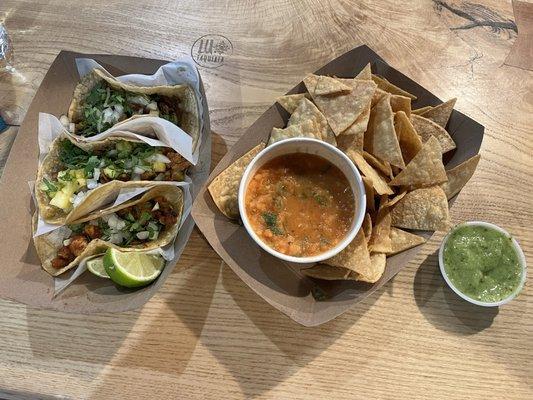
[{"x": 482, "y": 263}]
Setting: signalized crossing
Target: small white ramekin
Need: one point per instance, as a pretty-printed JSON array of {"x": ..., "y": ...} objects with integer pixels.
[
  {"x": 319, "y": 148},
  {"x": 518, "y": 250}
]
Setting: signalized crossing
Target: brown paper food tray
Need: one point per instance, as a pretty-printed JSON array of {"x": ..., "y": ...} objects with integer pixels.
[
  {"x": 281, "y": 285},
  {"x": 21, "y": 277}
]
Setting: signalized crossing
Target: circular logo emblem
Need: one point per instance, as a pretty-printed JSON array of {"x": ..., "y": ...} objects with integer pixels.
[{"x": 211, "y": 51}]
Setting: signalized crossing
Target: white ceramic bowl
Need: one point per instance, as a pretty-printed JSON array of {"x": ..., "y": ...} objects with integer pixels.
[
  {"x": 324, "y": 150},
  {"x": 518, "y": 250}
]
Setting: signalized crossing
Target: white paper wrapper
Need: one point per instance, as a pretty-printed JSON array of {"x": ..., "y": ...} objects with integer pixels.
[{"x": 174, "y": 73}]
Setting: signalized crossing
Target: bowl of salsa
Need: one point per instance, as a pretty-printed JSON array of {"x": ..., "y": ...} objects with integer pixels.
[
  {"x": 482, "y": 263},
  {"x": 302, "y": 200}
]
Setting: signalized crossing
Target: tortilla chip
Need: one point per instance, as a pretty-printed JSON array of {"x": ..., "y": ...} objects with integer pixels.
[
  {"x": 365, "y": 74},
  {"x": 394, "y": 200},
  {"x": 367, "y": 226},
  {"x": 422, "y": 209},
  {"x": 346, "y": 142},
  {"x": 380, "y": 138},
  {"x": 440, "y": 114},
  {"x": 306, "y": 111},
  {"x": 369, "y": 191},
  {"x": 385, "y": 85},
  {"x": 410, "y": 142},
  {"x": 378, "y": 95},
  {"x": 224, "y": 189},
  {"x": 303, "y": 129},
  {"x": 402, "y": 240},
  {"x": 378, "y": 262},
  {"x": 421, "y": 110},
  {"x": 400, "y": 103},
  {"x": 353, "y": 137},
  {"x": 342, "y": 110},
  {"x": 427, "y": 128},
  {"x": 380, "y": 241},
  {"x": 328, "y": 272},
  {"x": 327, "y": 85},
  {"x": 425, "y": 169},
  {"x": 382, "y": 166},
  {"x": 458, "y": 176},
  {"x": 354, "y": 257},
  {"x": 290, "y": 101},
  {"x": 377, "y": 181}
]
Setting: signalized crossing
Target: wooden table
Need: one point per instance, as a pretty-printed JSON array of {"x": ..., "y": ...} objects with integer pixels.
[{"x": 205, "y": 334}]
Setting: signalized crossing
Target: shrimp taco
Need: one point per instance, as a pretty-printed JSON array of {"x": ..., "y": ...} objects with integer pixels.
[
  {"x": 145, "y": 223},
  {"x": 100, "y": 101},
  {"x": 76, "y": 178}
]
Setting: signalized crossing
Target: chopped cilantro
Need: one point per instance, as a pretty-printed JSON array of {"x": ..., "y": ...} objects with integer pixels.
[{"x": 271, "y": 221}]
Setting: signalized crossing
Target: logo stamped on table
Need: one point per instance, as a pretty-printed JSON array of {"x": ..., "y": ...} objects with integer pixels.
[{"x": 211, "y": 51}]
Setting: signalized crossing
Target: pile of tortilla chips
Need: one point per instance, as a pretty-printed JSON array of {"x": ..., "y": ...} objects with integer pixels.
[{"x": 398, "y": 152}]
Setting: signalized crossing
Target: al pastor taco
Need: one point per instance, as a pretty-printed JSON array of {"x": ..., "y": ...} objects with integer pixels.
[
  {"x": 145, "y": 223},
  {"x": 101, "y": 101},
  {"x": 76, "y": 178}
]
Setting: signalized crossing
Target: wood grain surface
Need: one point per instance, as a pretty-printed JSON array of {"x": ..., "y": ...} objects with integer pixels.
[{"x": 205, "y": 335}]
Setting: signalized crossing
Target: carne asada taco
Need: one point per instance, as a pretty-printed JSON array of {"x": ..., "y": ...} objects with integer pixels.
[
  {"x": 76, "y": 178},
  {"x": 146, "y": 223},
  {"x": 100, "y": 101}
]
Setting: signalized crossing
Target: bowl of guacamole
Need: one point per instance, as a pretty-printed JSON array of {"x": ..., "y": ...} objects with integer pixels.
[{"x": 482, "y": 263}]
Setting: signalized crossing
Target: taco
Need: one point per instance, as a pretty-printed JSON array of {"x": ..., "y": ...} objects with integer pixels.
[
  {"x": 146, "y": 223},
  {"x": 76, "y": 178},
  {"x": 100, "y": 101}
]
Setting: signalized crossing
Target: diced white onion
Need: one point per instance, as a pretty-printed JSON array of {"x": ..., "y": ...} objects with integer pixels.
[
  {"x": 66, "y": 242},
  {"x": 115, "y": 222},
  {"x": 92, "y": 183},
  {"x": 143, "y": 235},
  {"x": 72, "y": 127},
  {"x": 78, "y": 198},
  {"x": 96, "y": 174},
  {"x": 108, "y": 115},
  {"x": 158, "y": 157},
  {"x": 116, "y": 238},
  {"x": 152, "y": 106},
  {"x": 156, "y": 206},
  {"x": 119, "y": 109},
  {"x": 121, "y": 224},
  {"x": 107, "y": 217}
]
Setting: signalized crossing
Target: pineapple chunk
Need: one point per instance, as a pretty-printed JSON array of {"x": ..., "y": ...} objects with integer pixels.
[
  {"x": 82, "y": 182},
  {"x": 159, "y": 166},
  {"x": 79, "y": 173},
  {"x": 70, "y": 188},
  {"x": 61, "y": 200}
]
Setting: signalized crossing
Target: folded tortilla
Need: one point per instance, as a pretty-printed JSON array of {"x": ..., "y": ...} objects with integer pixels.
[
  {"x": 95, "y": 199},
  {"x": 48, "y": 245},
  {"x": 184, "y": 94}
]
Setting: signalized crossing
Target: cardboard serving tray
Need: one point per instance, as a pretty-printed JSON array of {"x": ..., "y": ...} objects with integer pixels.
[
  {"x": 21, "y": 277},
  {"x": 279, "y": 283}
]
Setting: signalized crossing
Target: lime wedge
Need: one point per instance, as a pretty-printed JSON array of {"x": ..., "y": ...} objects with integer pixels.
[
  {"x": 132, "y": 269},
  {"x": 96, "y": 266}
]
